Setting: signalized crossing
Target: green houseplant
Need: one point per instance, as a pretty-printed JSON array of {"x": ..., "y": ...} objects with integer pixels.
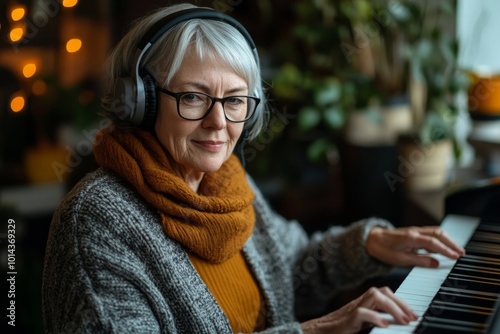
[
  {"x": 429, "y": 149},
  {"x": 351, "y": 57},
  {"x": 331, "y": 77}
]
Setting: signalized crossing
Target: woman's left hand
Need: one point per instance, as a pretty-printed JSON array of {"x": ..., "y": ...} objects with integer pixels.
[{"x": 397, "y": 247}]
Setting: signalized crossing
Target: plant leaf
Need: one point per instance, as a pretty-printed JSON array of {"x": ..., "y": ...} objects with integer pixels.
[
  {"x": 308, "y": 118},
  {"x": 334, "y": 117},
  {"x": 328, "y": 94},
  {"x": 319, "y": 149}
]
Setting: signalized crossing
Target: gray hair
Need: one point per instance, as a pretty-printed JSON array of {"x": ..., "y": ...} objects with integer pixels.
[{"x": 207, "y": 38}]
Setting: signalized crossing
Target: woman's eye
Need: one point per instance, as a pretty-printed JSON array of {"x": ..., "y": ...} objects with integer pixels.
[
  {"x": 192, "y": 98},
  {"x": 234, "y": 100}
]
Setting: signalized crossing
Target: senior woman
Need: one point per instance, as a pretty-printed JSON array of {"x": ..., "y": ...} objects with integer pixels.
[{"x": 171, "y": 235}]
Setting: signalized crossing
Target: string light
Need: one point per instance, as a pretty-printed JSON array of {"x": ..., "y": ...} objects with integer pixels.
[
  {"x": 16, "y": 34},
  {"x": 17, "y": 13},
  {"x": 73, "y": 45},
  {"x": 17, "y": 103},
  {"x": 69, "y": 3},
  {"x": 29, "y": 70}
]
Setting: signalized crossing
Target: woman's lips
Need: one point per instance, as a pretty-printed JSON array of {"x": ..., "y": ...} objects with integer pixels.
[{"x": 209, "y": 145}]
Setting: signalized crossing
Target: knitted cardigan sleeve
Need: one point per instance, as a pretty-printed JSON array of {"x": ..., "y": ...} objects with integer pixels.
[
  {"x": 326, "y": 262},
  {"x": 88, "y": 287}
]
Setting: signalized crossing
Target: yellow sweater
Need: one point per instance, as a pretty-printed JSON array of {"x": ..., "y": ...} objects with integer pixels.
[{"x": 236, "y": 291}]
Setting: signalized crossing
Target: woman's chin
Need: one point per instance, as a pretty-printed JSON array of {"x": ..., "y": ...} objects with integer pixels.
[{"x": 211, "y": 165}]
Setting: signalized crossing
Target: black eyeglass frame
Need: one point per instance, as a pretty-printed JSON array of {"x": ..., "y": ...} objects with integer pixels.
[{"x": 214, "y": 100}]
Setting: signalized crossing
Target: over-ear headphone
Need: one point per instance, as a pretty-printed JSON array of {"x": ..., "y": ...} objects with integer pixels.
[{"x": 138, "y": 91}]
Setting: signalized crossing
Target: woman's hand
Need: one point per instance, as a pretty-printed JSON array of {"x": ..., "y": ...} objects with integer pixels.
[
  {"x": 362, "y": 312},
  {"x": 398, "y": 247}
]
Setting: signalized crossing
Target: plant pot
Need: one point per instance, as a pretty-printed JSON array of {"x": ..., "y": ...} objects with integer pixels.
[{"x": 424, "y": 167}]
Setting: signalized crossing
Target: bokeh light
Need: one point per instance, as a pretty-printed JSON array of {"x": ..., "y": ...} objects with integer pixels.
[
  {"x": 73, "y": 45},
  {"x": 16, "y": 34},
  {"x": 69, "y": 3},
  {"x": 17, "y": 103},
  {"x": 29, "y": 70},
  {"x": 17, "y": 13}
]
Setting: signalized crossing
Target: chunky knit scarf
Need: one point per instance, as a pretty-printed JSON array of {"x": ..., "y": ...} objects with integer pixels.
[{"x": 214, "y": 225}]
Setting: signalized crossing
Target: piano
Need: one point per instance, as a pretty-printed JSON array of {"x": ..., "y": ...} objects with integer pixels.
[{"x": 461, "y": 296}]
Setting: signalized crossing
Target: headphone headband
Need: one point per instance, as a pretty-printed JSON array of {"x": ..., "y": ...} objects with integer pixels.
[
  {"x": 168, "y": 22},
  {"x": 139, "y": 95}
]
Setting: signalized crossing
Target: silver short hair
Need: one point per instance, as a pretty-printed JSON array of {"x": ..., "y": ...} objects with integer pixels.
[{"x": 210, "y": 39}]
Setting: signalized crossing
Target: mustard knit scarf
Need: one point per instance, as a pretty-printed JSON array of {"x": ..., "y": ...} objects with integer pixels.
[{"x": 215, "y": 225}]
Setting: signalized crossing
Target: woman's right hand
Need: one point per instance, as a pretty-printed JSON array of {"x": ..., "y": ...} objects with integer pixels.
[{"x": 362, "y": 312}]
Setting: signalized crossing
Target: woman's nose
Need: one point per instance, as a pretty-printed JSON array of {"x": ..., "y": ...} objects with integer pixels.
[{"x": 216, "y": 117}]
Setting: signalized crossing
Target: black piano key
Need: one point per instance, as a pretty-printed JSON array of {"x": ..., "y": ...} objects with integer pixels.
[
  {"x": 488, "y": 227},
  {"x": 462, "y": 298},
  {"x": 476, "y": 285},
  {"x": 482, "y": 248},
  {"x": 479, "y": 259},
  {"x": 485, "y": 236},
  {"x": 436, "y": 325},
  {"x": 483, "y": 273},
  {"x": 433, "y": 324},
  {"x": 463, "y": 306},
  {"x": 454, "y": 312},
  {"x": 476, "y": 265}
]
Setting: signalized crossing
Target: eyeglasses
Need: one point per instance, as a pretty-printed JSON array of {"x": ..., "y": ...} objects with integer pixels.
[{"x": 194, "y": 106}]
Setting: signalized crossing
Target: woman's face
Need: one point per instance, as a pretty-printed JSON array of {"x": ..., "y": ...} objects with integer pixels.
[{"x": 204, "y": 145}]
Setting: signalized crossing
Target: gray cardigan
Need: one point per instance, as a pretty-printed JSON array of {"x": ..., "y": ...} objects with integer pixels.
[{"x": 109, "y": 268}]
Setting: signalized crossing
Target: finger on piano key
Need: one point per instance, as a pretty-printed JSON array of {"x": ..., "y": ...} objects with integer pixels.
[
  {"x": 393, "y": 327},
  {"x": 422, "y": 285}
]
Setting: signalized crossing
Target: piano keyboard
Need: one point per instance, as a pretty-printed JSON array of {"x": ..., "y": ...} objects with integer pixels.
[{"x": 460, "y": 295}]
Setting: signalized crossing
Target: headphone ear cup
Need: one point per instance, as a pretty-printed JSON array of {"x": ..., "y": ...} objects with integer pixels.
[
  {"x": 124, "y": 99},
  {"x": 150, "y": 101}
]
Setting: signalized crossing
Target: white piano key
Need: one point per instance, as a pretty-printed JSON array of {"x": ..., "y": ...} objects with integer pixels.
[
  {"x": 421, "y": 285},
  {"x": 413, "y": 303},
  {"x": 414, "y": 298}
]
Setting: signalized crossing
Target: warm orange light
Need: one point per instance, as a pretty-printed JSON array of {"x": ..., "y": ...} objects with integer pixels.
[
  {"x": 17, "y": 103},
  {"x": 73, "y": 45},
  {"x": 17, "y": 13},
  {"x": 16, "y": 34},
  {"x": 29, "y": 70},
  {"x": 69, "y": 3},
  {"x": 39, "y": 87}
]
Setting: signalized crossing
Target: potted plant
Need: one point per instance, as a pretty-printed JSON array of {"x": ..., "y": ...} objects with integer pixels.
[
  {"x": 377, "y": 47},
  {"x": 342, "y": 94},
  {"x": 428, "y": 150},
  {"x": 351, "y": 70},
  {"x": 331, "y": 81}
]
